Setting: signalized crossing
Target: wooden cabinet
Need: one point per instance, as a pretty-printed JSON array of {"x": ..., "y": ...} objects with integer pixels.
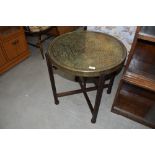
[
  {"x": 13, "y": 47},
  {"x": 2, "y": 58},
  {"x": 135, "y": 96},
  {"x": 65, "y": 29},
  {"x": 58, "y": 30}
]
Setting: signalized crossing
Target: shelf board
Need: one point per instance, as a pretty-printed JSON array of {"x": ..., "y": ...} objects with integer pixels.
[
  {"x": 139, "y": 80},
  {"x": 147, "y": 37},
  {"x": 136, "y": 103}
]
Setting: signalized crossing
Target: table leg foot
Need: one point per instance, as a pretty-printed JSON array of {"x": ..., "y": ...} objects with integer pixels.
[
  {"x": 57, "y": 102},
  {"x": 93, "y": 120}
]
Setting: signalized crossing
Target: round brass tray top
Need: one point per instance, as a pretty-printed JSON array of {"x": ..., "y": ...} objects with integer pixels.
[{"x": 85, "y": 53}]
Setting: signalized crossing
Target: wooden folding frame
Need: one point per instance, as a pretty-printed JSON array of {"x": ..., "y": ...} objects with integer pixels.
[{"x": 99, "y": 83}]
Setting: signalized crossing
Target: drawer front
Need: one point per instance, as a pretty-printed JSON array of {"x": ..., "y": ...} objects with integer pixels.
[
  {"x": 2, "y": 58},
  {"x": 15, "y": 47},
  {"x": 10, "y": 32}
]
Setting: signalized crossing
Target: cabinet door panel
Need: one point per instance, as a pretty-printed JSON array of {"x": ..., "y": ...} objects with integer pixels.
[
  {"x": 21, "y": 44},
  {"x": 2, "y": 58},
  {"x": 15, "y": 47},
  {"x": 11, "y": 49}
]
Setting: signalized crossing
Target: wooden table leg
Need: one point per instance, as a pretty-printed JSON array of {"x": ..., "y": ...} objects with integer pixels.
[
  {"x": 98, "y": 97},
  {"x": 51, "y": 75},
  {"x": 83, "y": 87},
  {"x": 111, "y": 84}
]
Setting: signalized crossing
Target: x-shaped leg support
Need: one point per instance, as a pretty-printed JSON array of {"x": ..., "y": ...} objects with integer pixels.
[{"x": 99, "y": 86}]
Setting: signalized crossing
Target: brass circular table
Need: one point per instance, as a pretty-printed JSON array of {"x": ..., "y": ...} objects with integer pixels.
[{"x": 86, "y": 54}]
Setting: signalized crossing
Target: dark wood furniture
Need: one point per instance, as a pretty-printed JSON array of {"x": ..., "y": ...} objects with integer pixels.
[
  {"x": 39, "y": 31},
  {"x": 13, "y": 47},
  {"x": 49, "y": 31},
  {"x": 135, "y": 97},
  {"x": 65, "y": 29},
  {"x": 86, "y": 55}
]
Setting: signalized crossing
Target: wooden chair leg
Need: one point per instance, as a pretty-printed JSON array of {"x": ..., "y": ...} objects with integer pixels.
[
  {"x": 85, "y": 28},
  {"x": 76, "y": 79},
  {"x": 41, "y": 46}
]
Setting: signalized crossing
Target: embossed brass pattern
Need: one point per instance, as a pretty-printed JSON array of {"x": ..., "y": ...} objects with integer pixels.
[{"x": 87, "y": 53}]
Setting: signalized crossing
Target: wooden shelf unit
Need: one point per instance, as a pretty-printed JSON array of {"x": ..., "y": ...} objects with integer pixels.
[
  {"x": 147, "y": 33},
  {"x": 136, "y": 92}
]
